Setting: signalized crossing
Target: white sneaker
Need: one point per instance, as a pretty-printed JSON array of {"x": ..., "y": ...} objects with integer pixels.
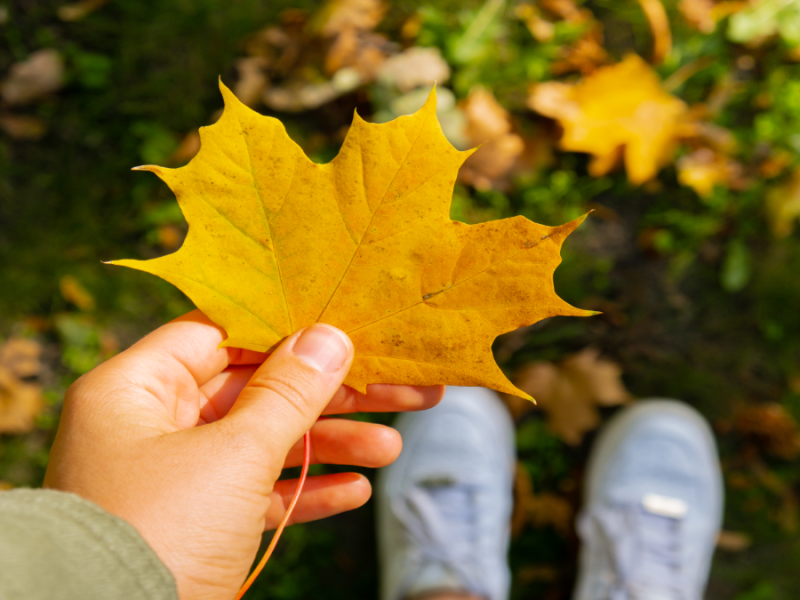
[
  {"x": 444, "y": 507},
  {"x": 653, "y": 506}
]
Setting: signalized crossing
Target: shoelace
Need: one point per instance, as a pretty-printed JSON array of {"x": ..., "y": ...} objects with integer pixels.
[
  {"x": 644, "y": 550},
  {"x": 440, "y": 521}
]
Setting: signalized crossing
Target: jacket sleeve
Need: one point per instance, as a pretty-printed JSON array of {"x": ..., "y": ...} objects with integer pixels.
[{"x": 57, "y": 546}]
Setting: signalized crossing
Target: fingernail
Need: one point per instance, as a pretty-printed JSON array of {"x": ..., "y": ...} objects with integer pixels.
[{"x": 322, "y": 347}]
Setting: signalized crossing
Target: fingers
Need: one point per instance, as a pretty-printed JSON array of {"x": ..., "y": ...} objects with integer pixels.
[
  {"x": 322, "y": 496},
  {"x": 288, "y": 392},
  {"x": 190, "y": 342},
  {"x": 382, "y": 397},
  {"x": 342, "y": 442},
  {"x": 221, "y": 392}
]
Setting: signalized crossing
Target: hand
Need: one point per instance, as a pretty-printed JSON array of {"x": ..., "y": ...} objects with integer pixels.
[{"x": 186, "y": 441}]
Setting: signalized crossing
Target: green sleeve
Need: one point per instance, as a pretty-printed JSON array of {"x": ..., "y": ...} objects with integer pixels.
[{"x": 57, "y": 546}]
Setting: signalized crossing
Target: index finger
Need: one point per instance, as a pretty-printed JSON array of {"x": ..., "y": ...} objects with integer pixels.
[{"x": 192, "y": 342}]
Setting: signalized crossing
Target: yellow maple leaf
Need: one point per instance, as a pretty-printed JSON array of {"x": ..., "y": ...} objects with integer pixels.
[
  {"x": 617, "y": 110},
  {"x": 364, "y": 243}
]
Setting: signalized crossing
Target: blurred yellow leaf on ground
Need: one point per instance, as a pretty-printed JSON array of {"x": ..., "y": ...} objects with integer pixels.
[{"x": 618, "y": 112}]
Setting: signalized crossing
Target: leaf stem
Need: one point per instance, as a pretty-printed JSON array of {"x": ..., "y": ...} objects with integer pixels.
[{"x": 282, "y": 525}]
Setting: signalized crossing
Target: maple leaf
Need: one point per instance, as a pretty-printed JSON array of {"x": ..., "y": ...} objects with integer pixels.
[
  {"x": 619, "y": 109},
  {"x": 569, "y": 392},
  {"x": 364, "y": 243}
]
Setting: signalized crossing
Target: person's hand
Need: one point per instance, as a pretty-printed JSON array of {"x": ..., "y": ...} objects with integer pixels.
[{"x": 186, "y": 441}]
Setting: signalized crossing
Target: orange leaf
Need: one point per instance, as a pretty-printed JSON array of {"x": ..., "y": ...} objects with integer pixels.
[{"x": 364, "y": 243}]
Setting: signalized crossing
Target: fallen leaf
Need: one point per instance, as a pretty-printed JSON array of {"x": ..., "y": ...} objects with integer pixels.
[
  {"x": 338, "y": 15},
  {"x": 363, "y": 51},
  {"x": 538, "y": 510},
  {"x": 73, "y": 291},
  {"x": 348, "y": 24},
  {"x": 302, "y": 96},
  {"x": 772, "y": 427},
  {"x": 540, "y": 28},
  {"x": 705, "y": 14},
  {"x": 23, "y": 127},
  {"x": 704, "y": 169},
  {"x": 41, "y": 74},
  {"x": 20, "y": 400},
  {"x": 489, "y": 125},
  {"x": 783, "y": 205},
  {"x": 619, "y": 111},
  {"x": 585, "y": 55},
  {"x": 733, "y": 541},
  {"x": 252, "y": 79},
  {"x": 570, "y": 391},
  {"x": 659, "y": 28},
  {"x": 364, "y": 243},
  {"x": 79, "y": 10},
  {"x": 413, "y": 68},
  {"x": 21, "y": 357},
  {"x": 567, "y": 10}
]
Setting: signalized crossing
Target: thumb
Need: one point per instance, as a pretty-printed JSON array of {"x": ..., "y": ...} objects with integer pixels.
[{"x": 286, "y": 395}]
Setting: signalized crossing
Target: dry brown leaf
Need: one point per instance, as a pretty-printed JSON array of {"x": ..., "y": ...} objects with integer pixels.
[
  {"x": 413, "y": 68},
  {"x": 301, "y": 96},
  {"x": 79, "y": 10},
  {"x": 20, "y": 403},
  {"x": 23, "y": 127},
  {"x": 21, "y": 357},
  {"x": 339, "y": 15},
  {"x": 775, "y": 164},
  {"x": 773, "y": 428},
  {"x": 733, "y": 541},
  {"x": 538, "y": 511},
  {"x": 20, "y": 400},
  {"x": 570, "y": 391},
  {"x": 585, "y": 55},
  {"x": 252, "y": 79},
  {"x": 73, "y": 291},
  {"x": 489, "y": 126},
  {"x": 363, "y": 51},
  {"x": 617, "y": 111},
  {"x": 41, "y": 74},
  {"x": 783, "y": 205}
]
